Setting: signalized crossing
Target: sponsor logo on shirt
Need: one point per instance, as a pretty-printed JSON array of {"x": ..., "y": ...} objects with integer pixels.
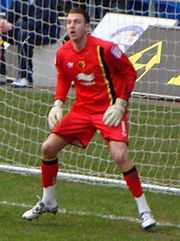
[
  {"x": 70, "y": 65},
  {"x": 86, "y": 79}
]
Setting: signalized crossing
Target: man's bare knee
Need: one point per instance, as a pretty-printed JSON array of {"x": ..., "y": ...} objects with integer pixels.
[
  {"x": 47, "y": 150},
  {"x": 118, "y": 150},
  {"x": 52, "y": 146},
  {"x": 118, "y": 155}
]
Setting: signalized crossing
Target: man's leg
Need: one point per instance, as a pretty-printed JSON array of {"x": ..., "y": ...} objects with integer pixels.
[
  {"x": 25, "y": 54},
  {"x": 25, "y": 60},
  {"x": 2, "y": 64},
  {"x": 49, "y": 170},
  {"x": 131, "y": 176}
]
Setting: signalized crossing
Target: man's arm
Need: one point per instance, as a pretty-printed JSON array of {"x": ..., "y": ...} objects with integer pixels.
[
  {"x": 63, "y": 85},
  {"x": 63, "y": 82},
  {"x": 119, "y": 63},
  {"x": 5, "y": 26},
  {"x": 124, "y": 68}
]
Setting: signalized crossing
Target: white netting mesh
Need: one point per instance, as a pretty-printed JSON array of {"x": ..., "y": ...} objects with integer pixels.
[{"x": 154, "y": 108}]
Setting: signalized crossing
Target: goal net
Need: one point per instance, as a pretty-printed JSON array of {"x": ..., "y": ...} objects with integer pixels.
[{"x": 154, "y": 111}]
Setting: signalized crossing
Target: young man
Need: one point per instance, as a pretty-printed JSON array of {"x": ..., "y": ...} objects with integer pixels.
[{"x": 103, "y": 79}]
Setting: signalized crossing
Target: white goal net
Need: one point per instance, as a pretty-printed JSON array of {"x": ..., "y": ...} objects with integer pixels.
[{"x": 154, "y": 135}]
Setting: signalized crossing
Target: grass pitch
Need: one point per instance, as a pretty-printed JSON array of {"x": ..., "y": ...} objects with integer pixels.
[
  {"x": 87, "y": 213},
  {"x": 154, "y": 137}
]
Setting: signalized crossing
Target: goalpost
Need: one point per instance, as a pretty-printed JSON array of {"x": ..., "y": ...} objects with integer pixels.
[{"x": 154, "y": 113}]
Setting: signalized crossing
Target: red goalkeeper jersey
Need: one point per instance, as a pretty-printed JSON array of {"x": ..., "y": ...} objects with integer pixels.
[{"x": 100, "y": 72}]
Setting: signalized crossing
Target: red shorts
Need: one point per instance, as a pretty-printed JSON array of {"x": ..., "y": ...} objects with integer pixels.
[{"x": 81, "y": 127}]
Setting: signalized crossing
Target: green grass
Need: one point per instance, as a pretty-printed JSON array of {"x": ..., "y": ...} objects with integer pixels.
[
  {"x": 154, "y": 145},
  {"x": 154, "y": 137},
  {"x": 73, "y": 225}
]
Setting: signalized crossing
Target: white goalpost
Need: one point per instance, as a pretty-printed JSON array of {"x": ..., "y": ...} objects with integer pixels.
[{"x": 154, "y": 110}]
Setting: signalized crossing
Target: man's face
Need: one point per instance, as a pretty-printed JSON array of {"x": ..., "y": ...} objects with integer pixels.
[{"x": 76, "y": 26}]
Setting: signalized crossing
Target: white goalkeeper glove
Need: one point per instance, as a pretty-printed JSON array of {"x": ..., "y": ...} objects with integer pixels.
[
  {"x": 55, "y": 114},
  {"x": 114, "y": 113}
]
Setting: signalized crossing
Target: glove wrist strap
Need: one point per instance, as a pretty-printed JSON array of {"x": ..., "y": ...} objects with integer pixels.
[
  {"x": 121, "y": 102},
  {"x": 58, "y": 103}
]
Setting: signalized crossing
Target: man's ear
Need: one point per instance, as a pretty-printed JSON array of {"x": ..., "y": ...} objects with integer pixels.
[{"x": 88, "y": 28}]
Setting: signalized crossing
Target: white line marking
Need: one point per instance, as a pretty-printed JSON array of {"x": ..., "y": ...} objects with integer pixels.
[{"x": 99, "y": 215}]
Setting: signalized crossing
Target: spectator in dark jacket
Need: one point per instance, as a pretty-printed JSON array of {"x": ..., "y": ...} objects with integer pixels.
[{"x": 35, "y": 22}]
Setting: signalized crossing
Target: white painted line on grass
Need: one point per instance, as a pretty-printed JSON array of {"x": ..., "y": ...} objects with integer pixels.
[{"x": 99, "y": 215}]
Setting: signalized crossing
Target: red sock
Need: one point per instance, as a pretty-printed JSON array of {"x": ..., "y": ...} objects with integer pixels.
[
  {"x": 133, "y": 182},
  {"x": 49, "y": 171}
]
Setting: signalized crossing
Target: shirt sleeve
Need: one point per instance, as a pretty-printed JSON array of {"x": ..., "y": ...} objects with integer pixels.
[
  {"x": 63, "y": 83},
  {"x": 123, "y": 68}
]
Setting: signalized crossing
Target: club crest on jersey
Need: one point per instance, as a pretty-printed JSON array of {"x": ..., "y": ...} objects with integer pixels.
[
  {"x": 82, "y": 63},
  {"x": 116, "y": 52}
]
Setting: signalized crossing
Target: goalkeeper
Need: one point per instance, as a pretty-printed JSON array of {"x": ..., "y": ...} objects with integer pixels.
[{"x": 103, "y": 78}]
